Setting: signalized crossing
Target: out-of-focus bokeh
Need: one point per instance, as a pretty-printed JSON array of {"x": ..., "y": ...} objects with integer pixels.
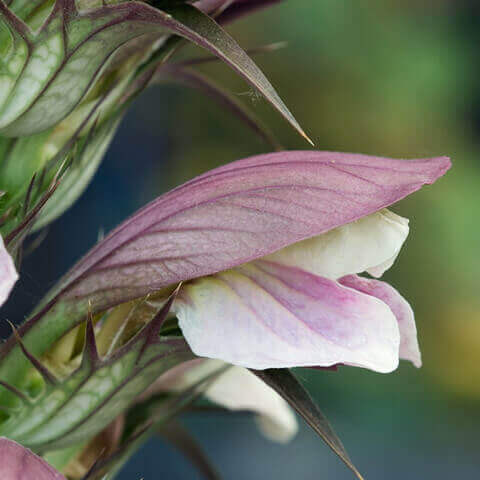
[{"x": 389, "y": 77}]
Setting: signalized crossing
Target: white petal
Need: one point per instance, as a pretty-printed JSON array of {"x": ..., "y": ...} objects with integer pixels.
[
  {"x": 265, "y": 315},
  {"x": 239, "y": 389},
  {"x": 369, "y": 244},
  {"x": 8, "y": 274},
  {"x": 236, "y": 389}
]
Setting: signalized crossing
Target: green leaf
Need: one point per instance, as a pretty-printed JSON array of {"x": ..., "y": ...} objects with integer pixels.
[
  {"x": 45, "y": 74},
  {"x": 284, "y": 382},
  {"x": 193, "y": 79},
  {"x": 70, "y": 152},
  {"x": 143, "y": 419},
  {"x": 208, "y": 34}
]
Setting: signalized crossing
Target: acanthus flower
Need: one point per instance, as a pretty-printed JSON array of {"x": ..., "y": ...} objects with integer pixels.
[
  {"x": 305, "y": 306},
  {"x": 266, "y": 248}
]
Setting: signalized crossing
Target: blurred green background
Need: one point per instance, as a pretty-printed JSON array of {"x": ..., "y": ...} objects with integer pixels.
[{"x": 395, "y": 78}]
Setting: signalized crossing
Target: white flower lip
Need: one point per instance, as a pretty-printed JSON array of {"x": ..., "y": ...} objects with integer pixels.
[
  {"x": 236, "y": 389},
  {"x": 8, "y": 273},
  {"x": 292, "y": 309},
  {"x": 369, "y": 244}
]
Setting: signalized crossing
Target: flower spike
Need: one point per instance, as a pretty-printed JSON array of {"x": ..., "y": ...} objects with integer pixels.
[
  {"x": 90, "y": 356},
  {"x": 19, "y": 394},
  {"x": 151, "y": 331},
  {"x": 47, "y": 376},
  {"x": 156, "y": 324},
  {"x": 16, "y": 25}
]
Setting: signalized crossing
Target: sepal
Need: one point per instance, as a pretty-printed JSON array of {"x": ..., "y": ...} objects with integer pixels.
[
  {"x": 75, "y": 408},
  {"x": 284, "y": 382},
  {"x": 144, "y": 419},
  {"x": 18, "y": 463},
  {"x": 47, "y": 376},
  {"x": 55, "y": 66}
]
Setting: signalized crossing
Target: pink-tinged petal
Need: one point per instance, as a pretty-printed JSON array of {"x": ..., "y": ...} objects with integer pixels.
[
  {"x": 369, "y": 244},
  {"x": 265, "y": 315},
  {"x": 8, "y": 274},
  {"x": 409, "y": 349},
  {"x": 18, "y": 463},
  {"x": 240, "y": 212}
]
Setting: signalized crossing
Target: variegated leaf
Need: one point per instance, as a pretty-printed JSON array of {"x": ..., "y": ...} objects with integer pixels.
[
  {"x": 73, "y": 409},
  {"x": 44, "y": 74}
]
